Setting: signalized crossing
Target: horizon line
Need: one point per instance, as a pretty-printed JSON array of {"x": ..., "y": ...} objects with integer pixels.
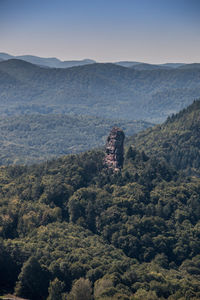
[{"x": 103, "y": 60}]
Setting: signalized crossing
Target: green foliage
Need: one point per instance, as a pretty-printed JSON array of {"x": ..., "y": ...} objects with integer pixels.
[
  {"x": 143, "y": 294},
  {"x": 81, "y": 290},
  {"x": 8, "y": 269},
  {"x": 81, "y": 220},
  {"x": 177, "y": 140},
  {"x": 55, "y": 289},
  {"x": 102, "y": 287},
  {"x": 71, "y": 226},
  {"x": 28, "y": 139},
  {"x": 33, "y": 280}
]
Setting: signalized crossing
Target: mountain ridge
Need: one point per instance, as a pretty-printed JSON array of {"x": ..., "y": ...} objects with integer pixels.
[
  {"x": 57, "y": 63},
  {"x": 51, "y": 62},
  {"x": 177, "y": 140},
  {"x": 105, "y": 90}
]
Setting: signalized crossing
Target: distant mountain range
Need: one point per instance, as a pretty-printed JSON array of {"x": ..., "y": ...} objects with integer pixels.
[
  {"x": 145, "y": 66},
  {"x": 51, "y": 62},
  {"x": 47, "y": 111},
  {"x": 54, "y": 62},
  {"x": 104, "y": 90}
]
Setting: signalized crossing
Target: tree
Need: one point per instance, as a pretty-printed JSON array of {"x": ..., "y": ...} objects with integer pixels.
[
  {"x": 8, "y": 270},
  {"x": 102, "y": 286},
  {"x": 33, "y": 281},
  {"x": 143, "y": 294},
  {"x": 55, "y": 289},
  {"x": 81, "y": 290}
]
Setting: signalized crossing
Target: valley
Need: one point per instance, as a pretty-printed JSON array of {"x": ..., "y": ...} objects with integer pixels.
[{"x": 82, "y": 228}]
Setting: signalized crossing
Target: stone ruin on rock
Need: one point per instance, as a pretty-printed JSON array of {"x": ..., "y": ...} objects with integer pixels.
[{"x": 115, "y": 149}]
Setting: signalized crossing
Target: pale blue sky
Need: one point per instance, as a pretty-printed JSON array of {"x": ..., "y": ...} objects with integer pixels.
[{"x": 154, "y": 31}]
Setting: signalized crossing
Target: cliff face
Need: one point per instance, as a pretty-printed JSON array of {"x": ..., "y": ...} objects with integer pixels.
[{"x": 115, "y": 149}]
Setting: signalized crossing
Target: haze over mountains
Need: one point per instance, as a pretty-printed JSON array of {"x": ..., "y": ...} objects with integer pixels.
[
  {"x": 104, "y": 90},
  {"x": 93, "y": 96},
  {"x": 146, "y": 66},
  {"x": 53, "y": 62}
]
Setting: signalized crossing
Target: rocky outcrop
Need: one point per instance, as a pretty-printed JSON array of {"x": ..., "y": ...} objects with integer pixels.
[{"x": 115, "y": 149}]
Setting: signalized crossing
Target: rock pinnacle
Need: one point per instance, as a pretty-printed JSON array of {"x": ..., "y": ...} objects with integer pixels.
[{"x": 115, "y": 149}]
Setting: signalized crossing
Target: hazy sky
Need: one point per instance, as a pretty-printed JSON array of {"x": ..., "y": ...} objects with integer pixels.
[{"x": 152, "y": 31}]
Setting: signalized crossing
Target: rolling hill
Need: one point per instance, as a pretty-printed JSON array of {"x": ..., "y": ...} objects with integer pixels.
[
  {"x": 54, "y": 62},
  {"x": 190, "y": 66},
  {"x": 51, "y": 62},
  {"x": 34, "y": 138},
  {"x": 177, "y": 140},
  {"x": 104, "y": 90},
  {"x": 71, "y": 226},
  {"x": 145, "y": 66}
]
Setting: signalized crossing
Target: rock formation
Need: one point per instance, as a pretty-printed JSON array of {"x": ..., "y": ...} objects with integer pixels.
[{"x": 115, "y": 149}]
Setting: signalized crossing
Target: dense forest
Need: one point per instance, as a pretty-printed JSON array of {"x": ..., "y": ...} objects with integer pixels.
[
  {"x": 176, "y": 140},
  {"x": 28, "y": 139},
  {"x": 72, "y": 229},
  {"x": 104, "y": 90}
]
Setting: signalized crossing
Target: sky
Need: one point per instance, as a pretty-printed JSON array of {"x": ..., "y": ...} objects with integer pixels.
[{"x": 154, "y": 31}]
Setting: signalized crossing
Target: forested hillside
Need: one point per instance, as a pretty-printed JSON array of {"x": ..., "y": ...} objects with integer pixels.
[
  {"x": 34, "y": 138},
  {"x": 104, "y": 90},
  {"x": 177, "y": 140},
  {"x": 72, "y": 229}
]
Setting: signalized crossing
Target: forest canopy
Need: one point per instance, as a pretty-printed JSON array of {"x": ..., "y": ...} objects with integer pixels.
[{"x": 71, "y": 227}]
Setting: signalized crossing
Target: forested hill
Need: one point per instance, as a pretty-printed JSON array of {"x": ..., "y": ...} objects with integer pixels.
[
  {"x": 29, "y": 139},
  {"x": 104, "y": 90},
  {"x": 71, "y": 227},
  {"x": 177, "y": 140}
]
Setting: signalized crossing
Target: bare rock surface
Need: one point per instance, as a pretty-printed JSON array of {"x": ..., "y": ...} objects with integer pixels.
[{"x": 115, "y": 149}]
